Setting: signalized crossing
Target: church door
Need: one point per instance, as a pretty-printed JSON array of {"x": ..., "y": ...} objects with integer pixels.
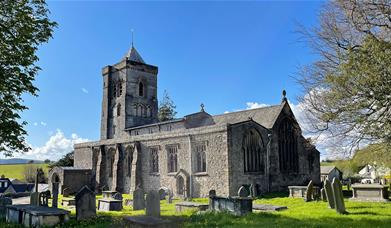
[{"x": 180, "y": 184}]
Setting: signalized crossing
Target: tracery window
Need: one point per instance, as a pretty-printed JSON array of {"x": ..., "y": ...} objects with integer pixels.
[
  {"x": 154, "y": 162},
  {"x": 287, "y": 147},
  {"x": 201, "y": 157},
  {"x": 253, "y": 152},
  {"x": 172, "y": 155}
]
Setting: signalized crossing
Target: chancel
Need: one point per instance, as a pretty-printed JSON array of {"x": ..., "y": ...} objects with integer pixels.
[{"x": 261, "y": 147}]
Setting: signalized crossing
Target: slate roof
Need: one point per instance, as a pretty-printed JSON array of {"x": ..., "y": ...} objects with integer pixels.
[
  {"x": 326, "y": 169},
  {"x": 133, "y": 55}
]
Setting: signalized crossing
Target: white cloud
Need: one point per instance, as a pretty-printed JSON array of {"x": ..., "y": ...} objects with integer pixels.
[
  {"x": 57, "y": 146},
  {"x": 35, "y": 124},
  {"x": 253, "y": 105},
  {"x": 43, "y": 123},
  {"x": 84, "y": 90}
]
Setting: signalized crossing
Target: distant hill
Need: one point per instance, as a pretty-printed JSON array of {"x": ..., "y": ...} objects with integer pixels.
[{"x": 18, "y": 161}]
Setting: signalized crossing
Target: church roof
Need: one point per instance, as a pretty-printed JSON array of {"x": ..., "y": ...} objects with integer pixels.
[{"x": 133, "y": 55}]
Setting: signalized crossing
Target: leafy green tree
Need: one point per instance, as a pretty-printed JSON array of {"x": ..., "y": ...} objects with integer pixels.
[
  {"x": 24, "y": 25},
  {"x": 66, "y": 160},
  {"x": 347, "y": 90},
  {"x": 166, "y": 108}
]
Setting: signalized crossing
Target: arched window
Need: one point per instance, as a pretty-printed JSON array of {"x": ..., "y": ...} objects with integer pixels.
[
  {"x": 253, "y": 152},
  {"x": 154, "y": 159},
  {"x": 140, "y": 110},
  {"x": 172, "y": 158},
  {"x": 119, "y": 89},
  {"x": 140, "y": 89},
  {"x": 149, "y": 114},
  {"x": 118, "y": 109},
  {"x": 287, "y": 147},
  {"x": 201, "y": 157}
]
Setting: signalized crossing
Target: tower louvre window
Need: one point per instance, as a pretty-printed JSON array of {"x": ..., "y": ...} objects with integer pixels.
[
  {"x": 118, "y": 109},
  {"x": 140, "y": 89}
]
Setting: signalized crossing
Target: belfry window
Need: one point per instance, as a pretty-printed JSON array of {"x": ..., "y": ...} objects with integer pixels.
[
  {"x": 287, "y": 147},
  {"x": 253, "y": 152},
  {"x": 154, "y": 159},
  {"x": 201, "y": 157},
  {"x": 172, "y": 155},
  {"x": 140, "y": 89}
]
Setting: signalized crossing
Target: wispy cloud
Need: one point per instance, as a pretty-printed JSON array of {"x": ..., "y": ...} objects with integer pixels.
[
  {"x": 43, "y": 123},
  {"x": 35, "y": 124},
  {"x": 84, "y": 90}
]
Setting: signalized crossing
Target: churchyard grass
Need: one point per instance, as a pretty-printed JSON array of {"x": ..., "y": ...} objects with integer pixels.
[
  {"x": 17, "y": 170},
  {"x": 299, "y": 214}
]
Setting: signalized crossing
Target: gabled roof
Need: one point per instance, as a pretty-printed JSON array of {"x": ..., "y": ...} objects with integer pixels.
[
  {"x": 265, "y": 116},
  {"x": 133, "y": 55},
  {"x": 327, "y": 169}
]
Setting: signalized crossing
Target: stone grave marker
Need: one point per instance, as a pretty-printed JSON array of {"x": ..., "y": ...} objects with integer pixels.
[
  {"x": 117, "y": 196},
  {"x": 153, "y": 204},
  {"x": 85, "y": 203},
  {"x": 4, "y": 201},
  {"x": 34, "y": 198},
  {"x": 138, "y": 199},
  {"x": 163, "y": 193},
  {"x": 252, "y": 190},
  {"x": 323, "y": 195},
  {"x": 170, "y": 195},
  {"x": 338, "y": 196},
  {"x": 309, "y": 192},
  {"x": 43, "y": 198},
  {"x": 329, "y": 193},
  {"x": 243, "y": 192},
  {"x": 55, "y": 194},
  {"x": 212, "y": 193}
]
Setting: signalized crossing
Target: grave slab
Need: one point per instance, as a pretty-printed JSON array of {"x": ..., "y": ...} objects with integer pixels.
[
  {"x": 147, "y": 221},
  {"x": 182, "y": 206},
  {"x": 268, "y": 207}
]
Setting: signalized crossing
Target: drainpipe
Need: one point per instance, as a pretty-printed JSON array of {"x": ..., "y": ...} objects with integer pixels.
[
  {"x": 269, "y": 135},
  {"x": 191, "y": 170}
]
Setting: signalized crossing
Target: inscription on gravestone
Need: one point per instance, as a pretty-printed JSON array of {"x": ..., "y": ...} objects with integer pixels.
[{"x": 85, "y": 204}]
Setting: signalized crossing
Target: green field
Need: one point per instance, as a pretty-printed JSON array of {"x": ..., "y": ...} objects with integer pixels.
[
  {"x": 298, "y": 214},
  {"x": 17, "y": 171}
]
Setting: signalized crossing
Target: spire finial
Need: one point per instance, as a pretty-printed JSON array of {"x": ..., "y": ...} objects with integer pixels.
[
  {"x": 284, "y": 99},
  {"x": 132, "y": 37},
  {"x": 202, "y": 107}
]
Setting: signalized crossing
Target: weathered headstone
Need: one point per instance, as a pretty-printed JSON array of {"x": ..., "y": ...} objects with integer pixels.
[
  {"x": 152, "y": 207},
  {"x": 323, "y": 194},
  {"x": 138, "y": 199},
  {"x": 329, "y": 193},
  {"x": 309, "y": 192},
  {"x": 117, "y": 196},
  {"x": 338, "y": 196},
  {"x": 163, "y": 193},
  {"x": 170, "y": 195},
  {"x": 4, "y": 201},
  {"x": 44, "y": 198},
  {"x": 34, "y": 198},
  {"x": 252, "y": 190},
  {"x": 55, "y": 194},
  {"x": 243, "y": 192},
  {"x": 212, "y": 193},
  {"x": 85, "y": 203}
]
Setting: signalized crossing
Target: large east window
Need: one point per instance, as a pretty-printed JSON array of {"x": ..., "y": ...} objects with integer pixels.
[{"x": 287, "y": 147}]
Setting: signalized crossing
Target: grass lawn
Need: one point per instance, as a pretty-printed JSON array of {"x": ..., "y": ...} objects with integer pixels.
[
  {"x": 17, "y": 170},
  {"x": 299, "y": 214}
]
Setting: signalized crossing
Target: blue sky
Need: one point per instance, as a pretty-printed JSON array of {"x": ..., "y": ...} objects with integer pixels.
[{"x": 222, "y": 54}]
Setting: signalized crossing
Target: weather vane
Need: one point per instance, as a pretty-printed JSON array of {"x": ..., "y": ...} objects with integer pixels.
[{"x": 132, "y": 30}]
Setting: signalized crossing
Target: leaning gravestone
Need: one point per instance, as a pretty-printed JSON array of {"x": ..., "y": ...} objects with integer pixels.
[
  {"x": 329, "y": 193},
  {"x": 338, "y": 196},
  {"x": 170, "y": 195},
  {"x": 85, "y": 203},
  {"x": 138, "y": 199},
  {"x": 4, "y": 201},
  {"x": 243, "y": 192},
  {"x": 309, "y": 192},
  {"x": 55, "y": 194},
  {"x": 153, "y": 204},
  {"x": 323, "y": 194}
]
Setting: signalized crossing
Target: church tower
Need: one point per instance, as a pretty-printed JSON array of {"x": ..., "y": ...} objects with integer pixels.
[{"x": 129, "y": 95}]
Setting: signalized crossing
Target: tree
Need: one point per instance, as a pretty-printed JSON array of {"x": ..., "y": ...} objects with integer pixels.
[
  {"x": 31, "y": 171},
  {"x": 166, "y": 108},
  {"x": 24, "y": 25},
  {"x": 347, "y": 90},
  {"x": 66, "y": 160},
  {"x": 47, "y": 161}
]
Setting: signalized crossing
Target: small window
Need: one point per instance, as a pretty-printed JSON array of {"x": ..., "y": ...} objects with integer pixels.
[
  {"x": 119, "y": 89},
  {"x": 154, "y": 162},
  {"x": 118, "y": 109},
  {"x": 140, "y": 89},
  {"x": 201, "y": 157},
  {"x": 172, "y": 158}
]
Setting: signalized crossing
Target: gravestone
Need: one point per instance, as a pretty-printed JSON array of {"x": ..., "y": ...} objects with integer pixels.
[
  {"x": 153, "y": 204},
  {"x": 329, "y": 193},
  {"x": 85, "y": 203},
  {"x": 163, "y": 193},
  {"x": 338, "y": 196},
  {"x": 138, "y": 199},
  {"x": 44, "y": 198},
  {"x": 117, "y": 196},
  {"x": 243, "y": 192},
  {"x": 252, "y": 190},
  {"x": 323, "y": 194},
  {"x": 212, "y": 193},
  {"x": 34, "y": 198},
  {"x": 55, "y": 194},
  {"x": 4, "y": 201},
  {"x": 170, "y": 195},
  {"x": 309, "y": 192}
]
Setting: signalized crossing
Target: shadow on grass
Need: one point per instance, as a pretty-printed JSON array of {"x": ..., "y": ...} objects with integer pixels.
[{"x": 274, "y": 195}]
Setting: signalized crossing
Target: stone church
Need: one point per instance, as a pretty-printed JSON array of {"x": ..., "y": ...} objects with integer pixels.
[{"x": 189, "y": 155}]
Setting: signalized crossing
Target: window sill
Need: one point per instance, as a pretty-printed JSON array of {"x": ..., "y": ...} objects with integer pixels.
[
  {"x": 201, "y": 174},
  {"x": 171, "y": 174}
]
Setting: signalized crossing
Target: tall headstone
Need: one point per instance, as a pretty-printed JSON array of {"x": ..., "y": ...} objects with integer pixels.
[
  {"x": 55, "y": 194},
  {"x": 34, "y": 198},
  {"x": 85, "y": 201},
  {"x": 4, "y": 201},
  {"x": 338, "y": 196},
  {"x": 243, "y": 192},
  {"x": 153, "y": 204},
  {"x": 138, "y": 199},
  {"x": 329, "y": 193},
  {"x": 309, "y": 192},
  {"x": 323, "y": 194}
]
